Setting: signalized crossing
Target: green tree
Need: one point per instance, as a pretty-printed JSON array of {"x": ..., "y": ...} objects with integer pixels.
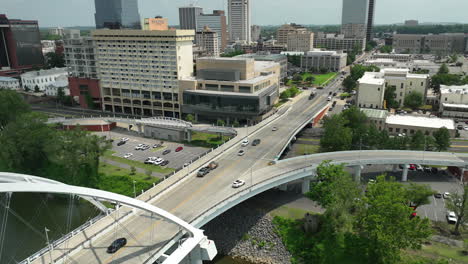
[
  {"x": 89, "y": 101},
  {"x": 297, "y": 77},
  {"x": 286, "y": 94},
  {"x": 310, "y": 79},
  {"x": 55, "y": 60},
  {"x": 442, "y": 139},
  {"x": 294, "y": 91},
  {"x": 12, "y": 106},
  {"x": 419, "y": 194},
  {"x": 386, "y": 49},
  {"x": 356, "y": 120},
  {"x": 233, "y": 54},
  {"x": 443, "y": 69},
  {"x": 36, "y": 89},
  {"x": 349, "y": 84},
  {"x": 386, "y": 222},
  {"x": 236, "y": 123},
  {"x": 390, "y": 95},
  {"x": 132, "y": 170},
  {"x": 458, "y": 203},
  {"x": 189, "y": 118},
  {"x": 294, "y": 60},
  {"x": 337, "y": 136},
  {"x": 414, "y": 100},
  {"x": 220, "y": 122},
  {"x": 417, "y": 141}
]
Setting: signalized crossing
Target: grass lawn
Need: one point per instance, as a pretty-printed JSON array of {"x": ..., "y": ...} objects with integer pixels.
[
  {"x": 108, "y": 169},
  {"x": 281, "y": 102},
  {"x": 309, "y": 139},
  {"x": 288, "y": 212},
  {"x": 320, "y": 79},
  {"x": 206, "y": 140},
  {"x": 440, "y": 250},
  {"x": 137, "y": 164},
  {"x": 306, "y": 149}
]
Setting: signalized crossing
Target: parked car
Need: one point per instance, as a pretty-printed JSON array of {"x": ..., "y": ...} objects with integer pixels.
[
  {"x": 241, "y": 152},
  {"x": 139, "y": 147},
  {"x": 427, "y": 169},
  {"x": 435, "y": 170},
  {"x": 274, "y": 129},
  {"x": 419, "y": 167},
  {"x": 256, "y": 142},
  {"x": 158, "y": 161},
  {"x": 179, "y": 149},
  {"x": 451, "y": 217},
  {"x": 167, "y": 151},
  {"x": 145, "y": 147},
  {"x": 446, "y": 195},
  {"x": 116, "y": 245},
  {"x": 150, "y": 160},
  {"x": 156, "y": 146},
  {"x": 438, "y": 195},
  {"x": 125, "y": 139},
  {"x": 238, "y": 183},
  {"x": 329, "y": 98},
  {"x": 121, "y": 143},
  {"x": 245, "y": 142},
  {"x": 128, "y": 155},
  {"x": 412, "y": 167},
  {"x": 460, "y": 127},
  {"x": 164, "y": 163}
]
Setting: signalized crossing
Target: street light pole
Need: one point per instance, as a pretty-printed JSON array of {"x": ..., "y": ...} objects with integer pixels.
[
  {"x": 48, "y": 244},
  {"x": 251, "y": 178},
  {"x": 134, "y": 189}
]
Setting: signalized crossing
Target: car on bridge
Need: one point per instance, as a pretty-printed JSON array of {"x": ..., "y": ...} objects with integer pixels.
[
  {"x": 256, "y": 142},
  {"x": 238, "y": 183},
  {"x": 245, "y": 142},
  {"x": 203, "y": 171},
  {"x": 241, "y": 152},
  {"x": 116, "y": 245},
  {"x": 274, "y": 129}
]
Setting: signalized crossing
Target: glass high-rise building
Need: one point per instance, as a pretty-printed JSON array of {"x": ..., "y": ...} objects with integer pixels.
[
  {"x": 116, "y": 14},
  {"x": 358, "y": 18}
]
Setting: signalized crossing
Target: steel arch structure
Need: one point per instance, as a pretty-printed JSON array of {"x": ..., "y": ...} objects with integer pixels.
[{"x": 20, "y": 183}]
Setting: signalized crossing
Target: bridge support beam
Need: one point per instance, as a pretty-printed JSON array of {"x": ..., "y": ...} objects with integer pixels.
[
  {"x": 357, "y": 173},
  {"x": 404, "y": 176},
  {"x": 305, "y": 185},
  {"x": 395, "y": 168},
  {"x": 283, "y": 187}
]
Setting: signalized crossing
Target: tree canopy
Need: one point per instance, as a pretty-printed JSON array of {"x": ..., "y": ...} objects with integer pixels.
[
  {"x": 414, "y": 100},
  {"x": 55, "y": 60}
]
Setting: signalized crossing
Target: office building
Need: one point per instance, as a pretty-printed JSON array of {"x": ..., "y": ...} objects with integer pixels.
[
  {"x": 65, "y": 33},
  {"x": 286, "y": 29},
  {"x": 239, "y": 20},
  {"x": 355, "y": 18},
  {"x": 453, "y": 101},
  {"x": 48, "y": 46},
  {"x": 372, "y": 86},
  {"x": 188, "y": 17},
  {"x": 9, "y": 83},
  {"x": 442, "y": 44},
  {"x": 231, "y": 89},
  {"x": 83, "y": 80},
  {"x": 20, "y": 46},
  {"x": 256, "y": 31},
  {"x": 117, "y": 14},
  {"x": 208, "y": 40},
  {"x": 42, "y": 78},
  {"x": 139, "y": 70},
  {"x": 317, "y": 60},
  {"x": 267, "y": 56},
  {"x": 301, "y": 41},
  {"x": 217, "y": 23},
  {"x": 156, "y": 23},
  {"x": 370, "y": 21},
  {"x": 411, "y": 23},
  {"x": 338, "y": 42},
  {"x": 392, "y": 56}
]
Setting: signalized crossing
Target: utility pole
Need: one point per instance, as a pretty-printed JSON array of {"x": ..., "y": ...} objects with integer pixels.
[
  {"x": 134, "y": 189},
  {"x": 48, "y": 244}
]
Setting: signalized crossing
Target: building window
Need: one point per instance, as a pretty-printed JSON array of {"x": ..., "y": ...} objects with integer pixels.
[
  {"x": 412, "y": 131},
  {"x": 398, "y": 130},
  {"x": 390, "y": 129},
  {"x": 227, "y": 88},
  {"x": 211, "y": 87},
  {"x": 422, "y": 83},
  {"x": 405, "y": 131},
  {"x": 244, "y": 89},
  {"x": 402, "y": 86}
]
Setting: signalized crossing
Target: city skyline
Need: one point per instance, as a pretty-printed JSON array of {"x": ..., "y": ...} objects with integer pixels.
[{"x": 51, "y": 13}]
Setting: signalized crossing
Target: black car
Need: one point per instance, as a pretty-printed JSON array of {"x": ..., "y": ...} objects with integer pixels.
[
  {"x": 334, "y": 94},
  {"x": 330, "y": 93},
  {"x": 438, "y": 195},
  {"x": 121, "y": 143},
  {"x": 164, "y": 163},
  {"x": 116, "y": 245},
  {"x": 256, "y": 142},
  {"x": 167, "y": 151},
  {"x": 435, "y": 170},
  {"x": 156, "y": 146}
]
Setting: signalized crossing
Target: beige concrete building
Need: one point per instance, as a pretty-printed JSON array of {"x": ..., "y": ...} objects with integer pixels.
[
  {"x": 231, "y": 89},
  {"x": 283, "y": 32},
  {"x": 301, "y": 41},
  {"x": 139, "y": 70},
  {"x": 208, "y": 40},
  {"x": 442, "y": 44},
  {"x": 392, "y": 56},
  {"x": 322, "y": 59},
  {"x": 156, "y": 23},
  {"x": 453, "y": 101},
  {"x": 338, "y": 42},
  {"x": 372, "y": 86}
]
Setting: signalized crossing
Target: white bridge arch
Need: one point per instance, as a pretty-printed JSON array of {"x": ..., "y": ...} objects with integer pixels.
[{"x": 19, "y": 183}]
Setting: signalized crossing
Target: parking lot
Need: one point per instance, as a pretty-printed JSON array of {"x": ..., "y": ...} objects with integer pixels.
[
  {"x": 176, "y": 159},
  {"x": 440, "y": 182}
]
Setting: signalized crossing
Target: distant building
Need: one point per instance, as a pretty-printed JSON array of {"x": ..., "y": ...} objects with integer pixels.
[
  {"x": 319, "y": 59},
  {"x": 354, "y": 18},
  {"x": 9, "y": 83},
  {"x": 231, "y": 89},
  {"x": 370, "y": 21},
  {"x": 372, "y": 86},
  {"x": 239, "y": 13},
  {"x": 156, "y": 23},
  {"x": 83, "y": 80},
  {"x": 117, "y": 14},
  {"x": 42, "y": 78},
  {"x": 20, "y": 46},
  {"x": 126, "y": 88},
  {"x": 392, "y": 56},
  {"x": 301, "y": 41},
  {"x": 338, "y": 42},
  {"x": 256, "y": 30},
  {"x": 208, "y": 40},
  {"x": 60, "y": 83},
  {"x": 48, "y": 46},
  {"x": 413, "y": 65},
  {"x": 188, "y": 17},
  {"x": 453, "y": 101},
  {"x": 283, "y": 32},
  {"x": 266, "y": 56},
  {"x": 442, "y": 44},
  {"x": 65, "y": 33},
  {"x": 411, "y": 23},
  {"x": 217, "y": 23}
]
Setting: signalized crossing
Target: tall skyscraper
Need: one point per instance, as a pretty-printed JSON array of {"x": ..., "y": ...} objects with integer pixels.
[
  {"x": 239, "y": 20},
  {"x": 116, "y": 14},
  {"x": 188, "y": 17},
  {"x": 370, "y": 21},
  {"x": 355, "y": 18},
  {"x": 217, "y": 23}
]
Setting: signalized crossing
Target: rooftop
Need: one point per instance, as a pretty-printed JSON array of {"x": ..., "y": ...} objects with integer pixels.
[
  {"x": 375, "y": 113},
  {"x": 271, "y": 57},
  {"x": 444, "y": 89},
  {"x": 45, "y": 72},
  {"x": 416, "y": 121},
  {"x": 464, "y": 106},
  {"x": 318, "y": 52},
  {"x": 7, "y": 79},
  {"x": 372, "y": 78}
]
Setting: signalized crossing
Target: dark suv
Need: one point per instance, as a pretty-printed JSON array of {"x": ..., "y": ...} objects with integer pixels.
[
  {"x": 256, "y": 142},
  {"x": 116, "y": 245}
]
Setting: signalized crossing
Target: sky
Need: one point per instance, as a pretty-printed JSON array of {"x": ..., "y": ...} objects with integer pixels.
[{"x": 67, "y": 13}]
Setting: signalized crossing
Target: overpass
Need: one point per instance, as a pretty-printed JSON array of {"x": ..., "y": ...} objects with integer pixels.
[{"x": 198, "y": 200}]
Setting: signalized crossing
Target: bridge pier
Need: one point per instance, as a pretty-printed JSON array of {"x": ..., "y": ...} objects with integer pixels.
[
  {"x": 404, "y": 176},
  {"x": 283, "y": 187},
  {"x": 305, "y": 185},
  {"x": 357, "y": 173},
  {"x": 395, "y": 168}
]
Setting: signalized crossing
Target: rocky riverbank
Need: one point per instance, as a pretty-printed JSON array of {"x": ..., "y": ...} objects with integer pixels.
[{"x": 245, "y": 232}]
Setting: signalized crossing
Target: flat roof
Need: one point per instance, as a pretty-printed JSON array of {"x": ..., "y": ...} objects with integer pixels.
[
  {"x": 454, "y": 89},
  {"x": 456, "y": 105},
  {"x": 375, "y": 113},
  {"x": 45, "y": 72},
  {"x": 7, "y": 79},
  {"x": 263, "y": 56},
  {"x": 417, "y": 121},
  {"x": 372, "y": 78}
]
